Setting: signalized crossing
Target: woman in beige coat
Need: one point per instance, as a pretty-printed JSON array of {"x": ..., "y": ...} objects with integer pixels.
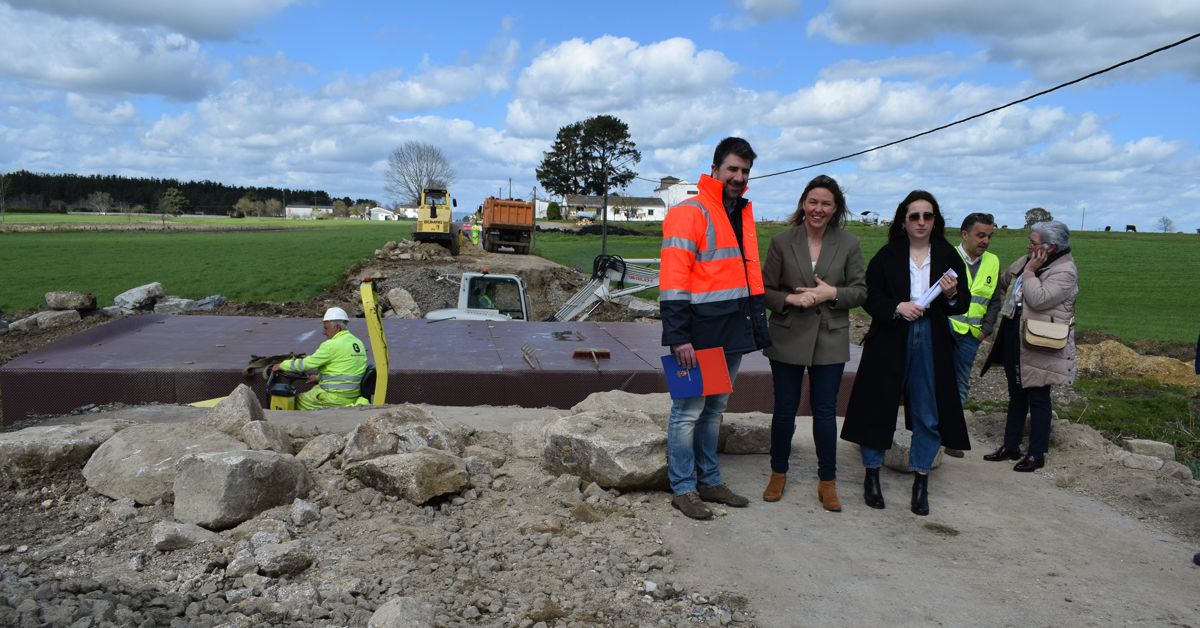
[
  {"x": 1041, "y": 286},
  {"x": 813, "y": 277}
]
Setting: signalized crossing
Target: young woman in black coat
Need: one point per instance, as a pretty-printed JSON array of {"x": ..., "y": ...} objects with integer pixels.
[{"x": 908, "y": 351}]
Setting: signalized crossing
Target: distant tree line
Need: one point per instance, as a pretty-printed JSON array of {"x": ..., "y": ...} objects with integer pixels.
[{"x": 62, "y": 192}]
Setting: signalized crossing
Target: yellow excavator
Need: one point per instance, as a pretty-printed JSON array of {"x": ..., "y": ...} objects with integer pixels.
[{"x": 435, "y": 222}]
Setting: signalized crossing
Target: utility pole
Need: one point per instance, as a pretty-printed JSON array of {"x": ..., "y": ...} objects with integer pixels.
[
  {"x": 510, "y": 188},
  {"x": 1083, "y": 209},
  {"x": 604, "y": 221}
]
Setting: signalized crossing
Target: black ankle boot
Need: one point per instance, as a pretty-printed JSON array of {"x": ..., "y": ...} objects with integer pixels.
[
  {"x": 920, "y": 496},
  {"x": 872, "y": 492}
]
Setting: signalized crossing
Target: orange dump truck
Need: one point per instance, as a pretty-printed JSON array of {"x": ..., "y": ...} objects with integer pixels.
[{"x": 507, "y": 223}]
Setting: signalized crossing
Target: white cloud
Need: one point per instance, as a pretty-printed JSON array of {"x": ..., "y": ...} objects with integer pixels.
[
  {"x": 923, "y": 67},
  {"x": 1054, "y": 40},
  {"x": 89, "y": 112},
  {"x": 576, "y": 79},
  {"x": 754, "y": 12},
  {"x": 199, "y": 19},
  {"x": 84, "y": 56}
]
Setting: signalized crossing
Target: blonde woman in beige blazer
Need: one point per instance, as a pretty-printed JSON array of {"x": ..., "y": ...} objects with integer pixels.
[{"x": 813, "y": 277}]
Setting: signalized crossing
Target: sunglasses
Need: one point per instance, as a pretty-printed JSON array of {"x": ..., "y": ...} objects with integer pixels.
[{"x": 928, "y": 216}]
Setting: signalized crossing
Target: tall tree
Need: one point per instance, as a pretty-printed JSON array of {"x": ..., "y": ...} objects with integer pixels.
[
  {"x": 1165, "y": 224},
  {"x": 99, "y": 201},
  {"x": 172, "y": 202},
  {"x": 3, "y": 196},
  {"x": 1036, "y": 215},
  {"x": 414, "y": 166},
  {"x": 591, "y": 157}
]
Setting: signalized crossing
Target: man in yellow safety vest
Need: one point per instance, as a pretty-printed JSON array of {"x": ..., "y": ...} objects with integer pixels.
[
  {"x": 983, "y": 271},
  {"x": 341, "y": 361}
]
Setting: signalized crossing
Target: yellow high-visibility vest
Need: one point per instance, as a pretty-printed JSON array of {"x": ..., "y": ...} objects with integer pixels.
[
  {"x": 981, "y": 285},
  {"x": 341, "y": 361}
]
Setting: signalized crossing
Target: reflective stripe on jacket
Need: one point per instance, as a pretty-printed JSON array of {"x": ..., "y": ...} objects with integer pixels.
[
  {"x": 341, "y": 361},
  {"x": 710, "y": 286},
  {"x": 983, "y": 286}
]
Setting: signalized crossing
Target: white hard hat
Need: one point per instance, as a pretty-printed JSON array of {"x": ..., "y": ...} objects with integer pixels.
[{"x": 336, "y": 314}]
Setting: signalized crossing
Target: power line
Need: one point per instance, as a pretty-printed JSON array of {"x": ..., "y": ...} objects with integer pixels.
[{"x": 978, "y": 115}]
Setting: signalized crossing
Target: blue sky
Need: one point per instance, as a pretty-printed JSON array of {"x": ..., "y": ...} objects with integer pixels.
[{"x": 315, "y": 94}]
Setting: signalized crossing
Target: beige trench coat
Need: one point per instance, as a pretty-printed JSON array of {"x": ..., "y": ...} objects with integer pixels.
[{"x": 1050, "y": 297}]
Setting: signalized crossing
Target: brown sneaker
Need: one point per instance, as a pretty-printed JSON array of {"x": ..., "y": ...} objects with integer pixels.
[
  {"x": 774, "y": 490},
  {"x": 690, "y": 505},
  {"x": 721, "y": 494},
  {"x": 827, "y": 493}
]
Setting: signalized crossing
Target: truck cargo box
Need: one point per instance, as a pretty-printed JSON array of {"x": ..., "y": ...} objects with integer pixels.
[{"x": 507, "y": 214}]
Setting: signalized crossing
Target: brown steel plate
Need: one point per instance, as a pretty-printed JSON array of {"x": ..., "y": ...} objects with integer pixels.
[{"x": 181, "y": 359}]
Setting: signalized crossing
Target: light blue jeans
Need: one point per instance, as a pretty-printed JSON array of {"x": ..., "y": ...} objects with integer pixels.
[
  {"x": 692, "y": 434},
  {"x": 921, "y": 394},
  {"x": 965, "y": 348}
]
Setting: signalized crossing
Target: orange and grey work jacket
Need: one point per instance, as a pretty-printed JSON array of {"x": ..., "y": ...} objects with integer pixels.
[{"x": 710, "y": 282}]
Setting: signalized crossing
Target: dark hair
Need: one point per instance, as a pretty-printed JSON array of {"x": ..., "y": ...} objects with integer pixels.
[
  {"x": 897, "y": 232},
  {"x": 838, "y": 219},
  {"x": 974, "y": 218},
  {"x": 735, "y": 145}
]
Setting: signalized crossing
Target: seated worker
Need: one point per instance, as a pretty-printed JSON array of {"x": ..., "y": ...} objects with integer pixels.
[
  {"x": 341, "y": 361},
  {"x": 488, "y": 298}
]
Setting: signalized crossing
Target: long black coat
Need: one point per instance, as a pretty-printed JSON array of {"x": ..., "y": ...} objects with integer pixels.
[{"x": 879, "y": 384}]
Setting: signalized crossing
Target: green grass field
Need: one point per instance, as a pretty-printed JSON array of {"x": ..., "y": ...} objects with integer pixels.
[
  {"x": 1134, "y": 286},
  {"x": 277, "y": 265}
]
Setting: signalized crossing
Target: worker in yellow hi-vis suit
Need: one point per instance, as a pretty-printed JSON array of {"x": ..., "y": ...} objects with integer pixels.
[{"x": 340, "y": 361}]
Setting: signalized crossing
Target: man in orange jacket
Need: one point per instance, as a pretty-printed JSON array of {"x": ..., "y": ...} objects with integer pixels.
[{"x": 711, "y": 295}]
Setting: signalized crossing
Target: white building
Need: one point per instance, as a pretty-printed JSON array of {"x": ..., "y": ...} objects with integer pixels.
[
  {"x": 620, "y": 208},
  {"x": 307, "y": 212},
  {"x": 672, "y": 191},
  {"x": 381, "y": 213}
]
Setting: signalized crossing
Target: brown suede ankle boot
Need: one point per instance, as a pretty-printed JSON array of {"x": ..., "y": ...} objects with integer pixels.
[
  {"x": 774, "y": 490},
  {"x": 827, "y": 493}
]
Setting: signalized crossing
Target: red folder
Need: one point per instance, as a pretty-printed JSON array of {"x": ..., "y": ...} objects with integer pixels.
[{"x": 710, "y": 378}]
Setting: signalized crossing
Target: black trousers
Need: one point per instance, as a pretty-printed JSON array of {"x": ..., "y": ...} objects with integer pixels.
[{"x": 1021, "y": 401}]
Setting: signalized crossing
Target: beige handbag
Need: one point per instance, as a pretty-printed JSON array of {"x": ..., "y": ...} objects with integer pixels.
[{"x": 1045, "y": 335}]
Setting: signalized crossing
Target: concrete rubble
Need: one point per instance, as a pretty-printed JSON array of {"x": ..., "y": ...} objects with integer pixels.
[
  {"x": 402, "y": 520},
  {"x": 202, "y": 530}
]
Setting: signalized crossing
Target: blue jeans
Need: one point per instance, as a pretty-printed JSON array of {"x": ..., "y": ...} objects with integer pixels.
[
  {"x": 692, "y": 434},
  {"x": 965, "y": 348},
  {"x": 824, "y": 380},
  {"x": 921, "y": 394}
]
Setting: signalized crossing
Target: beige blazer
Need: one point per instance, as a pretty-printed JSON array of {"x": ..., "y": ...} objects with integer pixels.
[{"x": 820, "y": 334}]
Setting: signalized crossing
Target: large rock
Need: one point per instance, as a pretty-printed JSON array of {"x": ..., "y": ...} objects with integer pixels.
[
  {"x": 402, "y": 612},
  {"x": 321, "y": 449},
  {"x": 745, "y": 434},
  {"x": 615, "y": 449},
  {"x": 139, "y": 461},
  {"x": 47, "y": 319},
  {"x": 416, "y": 429},
  {"x": 1140, "y": 461},
  {"x": 1166, "y": 451},
  {"x": 655, "y": 405},
  {"x": 233, "y": 412},
  {"x": 221, "y": 490},
  {"x": 1113, "y": 359},
  {"x": 209, "y": 303},
  {"x": 366, "y": 441},
  {"x": 69, "y": 300},
  {"x": 48, "y": 449},
  {"x": 283, "y": 559},
  {"x": 169, "y": 536},
  {"x": 417, "y": 476},
  {"x": 264, "y": 435},
  {"x": 174, "y": 305},
  {"x": 403, "y": 304},
  {"x": 139, "y": 298}
]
